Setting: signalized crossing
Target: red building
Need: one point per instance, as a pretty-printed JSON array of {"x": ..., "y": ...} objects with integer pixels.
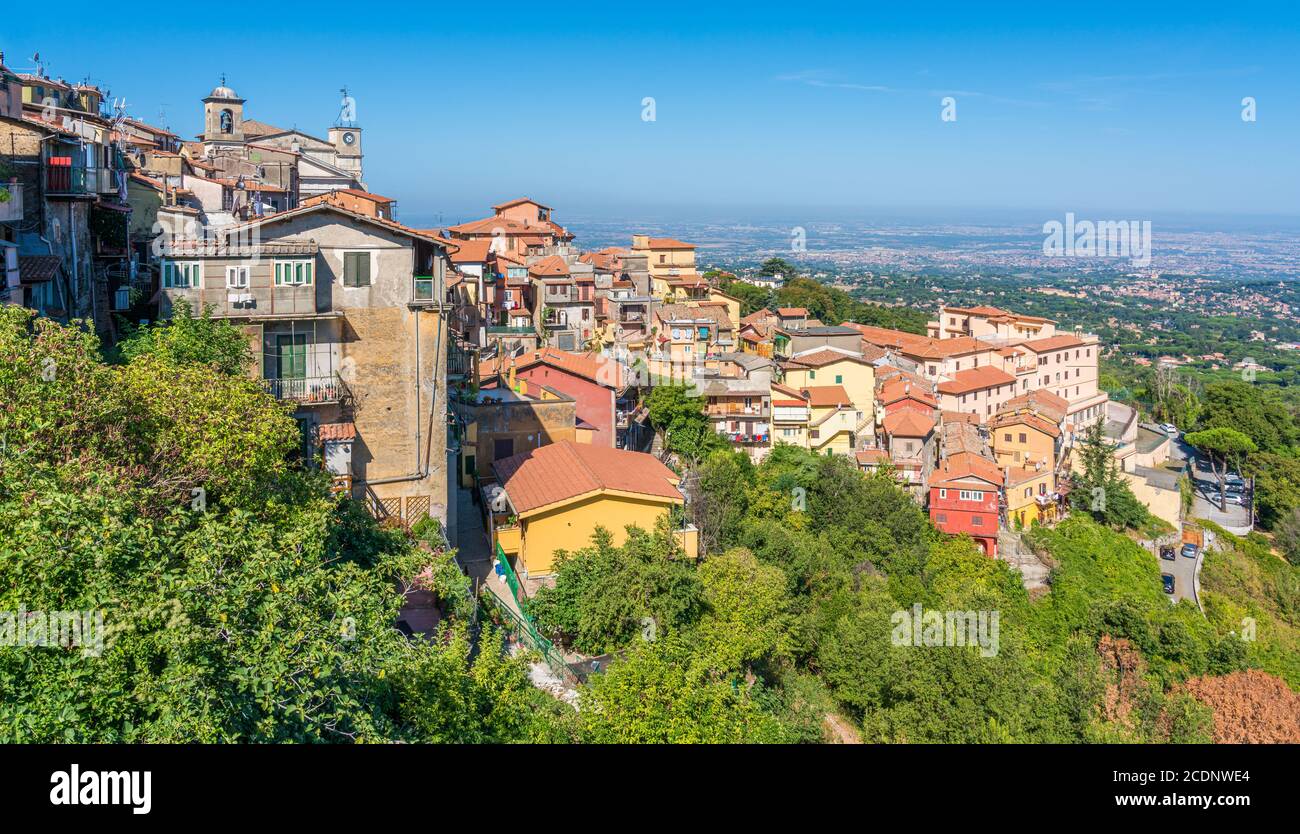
[
  {"x": 592, "y": 380},
  {"x": 965, "y": 490}
]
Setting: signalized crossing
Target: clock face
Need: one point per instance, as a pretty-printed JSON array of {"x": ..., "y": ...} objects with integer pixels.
[{"x": 349, "y": 138}]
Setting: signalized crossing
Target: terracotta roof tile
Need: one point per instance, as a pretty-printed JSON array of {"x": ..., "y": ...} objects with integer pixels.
[{"x": 564, "y": 470}]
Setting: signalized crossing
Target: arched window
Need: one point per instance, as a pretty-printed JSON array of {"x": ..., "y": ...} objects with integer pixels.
[{"x": 227, "y": 121}]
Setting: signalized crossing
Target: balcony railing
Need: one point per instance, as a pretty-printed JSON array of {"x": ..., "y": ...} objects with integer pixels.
[
  {"x": 736, "y": 410},
  {"x": 79, "y": 180},
  {"x": 11, "y": 209},
  {"x": 311, "y": 390}
]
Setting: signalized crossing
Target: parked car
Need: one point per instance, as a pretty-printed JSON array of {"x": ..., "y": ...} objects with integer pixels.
[
  {"x": 1233, "y": 479},
  {"x": 1168, "y": 579},
  {"x": 1235, "y": 498},
  {"x": 1167, "y": 552},
  {"x": 1169, "y": 429},
  {"x": 1189, "y": 550}
]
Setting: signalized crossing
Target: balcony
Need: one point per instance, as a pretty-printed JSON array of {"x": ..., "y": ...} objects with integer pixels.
[
  {"x": 311, "y": 390},
  {"x": 11, "y": 209},
  {"x": 78, "y": 181},
  {"x": 736, "y": 410},
  {"x": 509, "y": 539}
]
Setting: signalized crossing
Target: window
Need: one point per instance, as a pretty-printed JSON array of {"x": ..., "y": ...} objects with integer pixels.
[
  {"x": 236, "y": 277},
  {"x": 1023, "y": 437},
  {"x": 839, "y": 379},
  {"x": 971, "y": 495},
  {"x": 470, "y": 466},
  {"x": 293, "y": 273},
  {"x": 356, "y": 270},
  {"x": 977, "y": 521},
  {"x": 1029, "y": 491},
  {"x": 933, "y": 370},
  {"x": 502, "y": 447},
  {"x": 812, "y": 374},
  {"x": 182, "y": 275},
  {"x": 1007, "y": 437},
  {"x": 943, "y": 493},
  {"x": 941, "y": 518}
]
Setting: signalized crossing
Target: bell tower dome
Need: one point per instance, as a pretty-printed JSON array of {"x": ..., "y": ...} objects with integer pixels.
[{"x": 223, "y": 116}]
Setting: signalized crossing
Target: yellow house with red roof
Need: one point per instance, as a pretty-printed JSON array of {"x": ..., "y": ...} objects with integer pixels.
[{"x": 553, "y": 498}]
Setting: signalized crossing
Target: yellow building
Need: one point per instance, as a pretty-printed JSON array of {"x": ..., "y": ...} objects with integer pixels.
[
  {"x": 828, "y": 366},
  {"x": 671, "y": 262},
  {"x": 834, "y": 422},
  {"x": 559, "y": 494},
  {"x": 1030, "y": 494},
  {"x": 733, "y": 305},
  {"x": 1023, "y": 439}
]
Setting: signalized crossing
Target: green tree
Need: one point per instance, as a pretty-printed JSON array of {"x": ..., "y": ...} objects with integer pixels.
[
  {"x": 1101, "y": 489},
  {"x": 656, "y": 694},
  {"x": 606, "y": 597},
  {"x": 240, "y": 602},
  {"x": 677, "y": 412},
  {"x": 1225, "y": 448},
  {"x": 187, "y": 338}
]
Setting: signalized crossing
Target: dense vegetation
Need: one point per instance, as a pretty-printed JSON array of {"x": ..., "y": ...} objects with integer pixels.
[
  {"x": 791, "y": 621},
  {"x": 240, "y": 602}
]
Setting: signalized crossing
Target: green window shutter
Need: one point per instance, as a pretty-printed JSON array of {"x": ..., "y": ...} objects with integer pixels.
[
  {"x": 351, "y": 269},
  {"x": 363, "y": 275},
  {"x": 307, "y": 267},
  {"x": 279, "y": 279}
]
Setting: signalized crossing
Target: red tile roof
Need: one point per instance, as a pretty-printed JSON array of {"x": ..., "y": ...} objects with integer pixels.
[
  {"x": 472, "y": 251},
  {"x": 901, "y": 388},
  {"x": 34, "y": 268},
  {"x": 1052, "y": 406},
  {"x": 827, "y": 396},
  {"x": 565, "y": 470},
  {"x": 1027, "y": 419},
  {"x": 964, "y": 466},
  {"x": 908, "y": 423},
  {"x": 821, "y": 358},
  {"x": 975, "y": 379},
  {"x": 595, "y": 367},
  {"x": 550, "y": 266},
  {"x": 1054, "y": 343},
  {"x": 336, "y": 431},
  {"x": 518, "y": 201}
]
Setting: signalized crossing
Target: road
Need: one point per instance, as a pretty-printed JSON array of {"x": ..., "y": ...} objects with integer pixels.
[
  {"x": 1183, "y": 568},
  {"x": 1236, "y": 519}
]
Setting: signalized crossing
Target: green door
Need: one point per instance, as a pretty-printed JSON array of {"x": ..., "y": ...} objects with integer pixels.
[{"x": 292, "y": 363}]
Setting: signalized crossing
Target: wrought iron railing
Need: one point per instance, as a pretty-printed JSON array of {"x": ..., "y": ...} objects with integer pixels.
[{"x": 309, "y": 390}]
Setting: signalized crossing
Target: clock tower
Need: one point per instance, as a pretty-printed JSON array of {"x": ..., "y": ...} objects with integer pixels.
[
  {"x": 345, "y": 136},
  {"x": 347, "y": 143}
]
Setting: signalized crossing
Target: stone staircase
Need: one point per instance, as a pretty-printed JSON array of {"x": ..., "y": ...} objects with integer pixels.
[{"x": 1013, "y": 550}]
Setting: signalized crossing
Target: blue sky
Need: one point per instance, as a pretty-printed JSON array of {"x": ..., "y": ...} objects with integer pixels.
[{"x": 760, "y": 109}]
